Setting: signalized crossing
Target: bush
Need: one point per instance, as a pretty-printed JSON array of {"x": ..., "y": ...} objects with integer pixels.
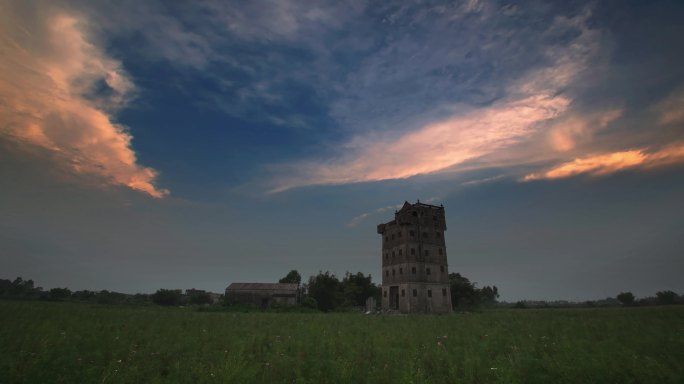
[
  {"x": 666, "y": 297},
  {"x": 59, "y": 294},
  {"x": 167, "y": 297},
  {"x": 309, "y": 302},
  {"x": 626, "y": 298},
  {"x": 200, "y": 298}
]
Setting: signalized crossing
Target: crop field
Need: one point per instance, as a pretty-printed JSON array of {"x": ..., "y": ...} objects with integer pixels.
[{"x": 43, "y": 342}]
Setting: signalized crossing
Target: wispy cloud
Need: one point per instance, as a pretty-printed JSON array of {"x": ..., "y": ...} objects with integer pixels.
[
  {"x": 671, "y": 109},
  {"x": 440, "y": 145},
  {"x": 483, "y": 180},
  {"x": 532, "y": 102},
  {"x": 603, "y": 164},
  {"x": 358, "y": 219},
  {"x": 60, "y": 91},
  {"x": 573, "y": 130}
]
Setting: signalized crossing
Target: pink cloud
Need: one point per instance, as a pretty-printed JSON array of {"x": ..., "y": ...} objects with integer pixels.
[
  {"x": 45, "y": 73},
  {"x": 567, "y": 133},
  {"x": 436, "y": 146}
]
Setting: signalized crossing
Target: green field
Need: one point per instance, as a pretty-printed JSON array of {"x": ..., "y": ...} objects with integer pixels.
[{"x": 44, "y": 342}]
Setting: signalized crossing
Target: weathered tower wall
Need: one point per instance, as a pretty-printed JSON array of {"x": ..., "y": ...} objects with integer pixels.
[{"x": 415, "y": 275}]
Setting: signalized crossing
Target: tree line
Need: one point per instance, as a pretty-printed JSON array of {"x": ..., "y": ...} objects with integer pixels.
[
  {"x": 26, "y": 289},
  {"x": 623, "y": 299},
  {"x": 323, "y": 292},
  {"x": 326, "y": 292},
  {"x": 661, "y": 298}
]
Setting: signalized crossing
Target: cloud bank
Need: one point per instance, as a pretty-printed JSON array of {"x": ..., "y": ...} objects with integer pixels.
[{"x": 60, "y": 92}]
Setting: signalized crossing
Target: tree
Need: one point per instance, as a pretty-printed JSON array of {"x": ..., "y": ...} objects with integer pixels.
[
  {"x": 292, "y": 277},
  {"x": 462, "y": 291},
  {"x": 19, "y": 288},
  {"x": 60, "y": 293},
  {"x": 666, "y": 297},
  {"x": 84, "y": 295},
  {"x": 465, "y": 293},
  {"x": 5, "y": 287},
  {"x": 167, "y": 297},
  {"x": 107, "y": 297},
  {"x": 356, "y": 288},
  {"x": 325, "y": 289},
  {"x": 198, "y": 297},
  {"x": 488, "y": 295},
  {"x": 626, "y": 298}
]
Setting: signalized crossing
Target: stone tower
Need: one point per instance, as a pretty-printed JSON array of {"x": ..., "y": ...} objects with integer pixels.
[{"x": 415, "y": 277}]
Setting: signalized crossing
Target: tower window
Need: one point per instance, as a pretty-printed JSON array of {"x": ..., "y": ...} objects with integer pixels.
[
  {"x": 443, "y": 291},
  {"x": 413, "y": 270},
  {"x": 387, "y": 272},
  {"x": 425, "y": 236},
  {"x": 413, "y": 251},
  {"x": 415, "y": 292},
  {"x": 386, "y": 239},
  {"x": 411, "y": 233},
  {"x": 427, "y": 253},
  {"x": 429, "y": 292},
  {"x": 400, "y": 252},
  {"x": 401, "y": 271},
  {"x": 393, "y": 254},
  {"x": 384, "y": 293},
  {"x": 427, "y": 271},
  {"x": 441, "y": 252},
  {"x": 403, "y": 293},
  {"x": 441, "y": 268},
  {"x": 399, "y": 234},
  {"x": 438, "y": 235},
  {"x": 393, "y": 236},
  {"x": 393, "y": 272}
]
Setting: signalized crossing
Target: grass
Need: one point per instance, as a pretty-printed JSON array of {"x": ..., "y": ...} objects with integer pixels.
[{"x": 44, "y": 342}]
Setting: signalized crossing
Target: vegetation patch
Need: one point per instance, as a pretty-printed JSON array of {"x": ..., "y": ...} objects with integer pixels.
[{"x": 48, "y": 342}]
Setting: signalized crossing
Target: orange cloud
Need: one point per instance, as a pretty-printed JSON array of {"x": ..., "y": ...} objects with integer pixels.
[
  {"x": 49, "y": 74},
  {"x": 613, "y": 162}
]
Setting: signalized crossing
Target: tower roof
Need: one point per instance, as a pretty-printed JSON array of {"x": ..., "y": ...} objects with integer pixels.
[{"x": 418, "y": 204}]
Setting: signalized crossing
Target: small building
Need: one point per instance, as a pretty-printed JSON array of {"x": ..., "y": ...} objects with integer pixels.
[
  {"x": 262, "y": 294},
  {"x": 415, "y": 274}
]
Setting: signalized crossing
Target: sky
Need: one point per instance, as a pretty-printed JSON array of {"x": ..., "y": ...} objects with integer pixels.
[{"x": 191, "y": 144}]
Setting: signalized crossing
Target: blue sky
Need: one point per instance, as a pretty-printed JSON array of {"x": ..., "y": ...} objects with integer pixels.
[{"x": 193, "y": 144}]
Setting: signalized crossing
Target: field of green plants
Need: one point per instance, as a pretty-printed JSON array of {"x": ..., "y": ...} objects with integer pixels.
[{"x": 44, "y": 342}]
